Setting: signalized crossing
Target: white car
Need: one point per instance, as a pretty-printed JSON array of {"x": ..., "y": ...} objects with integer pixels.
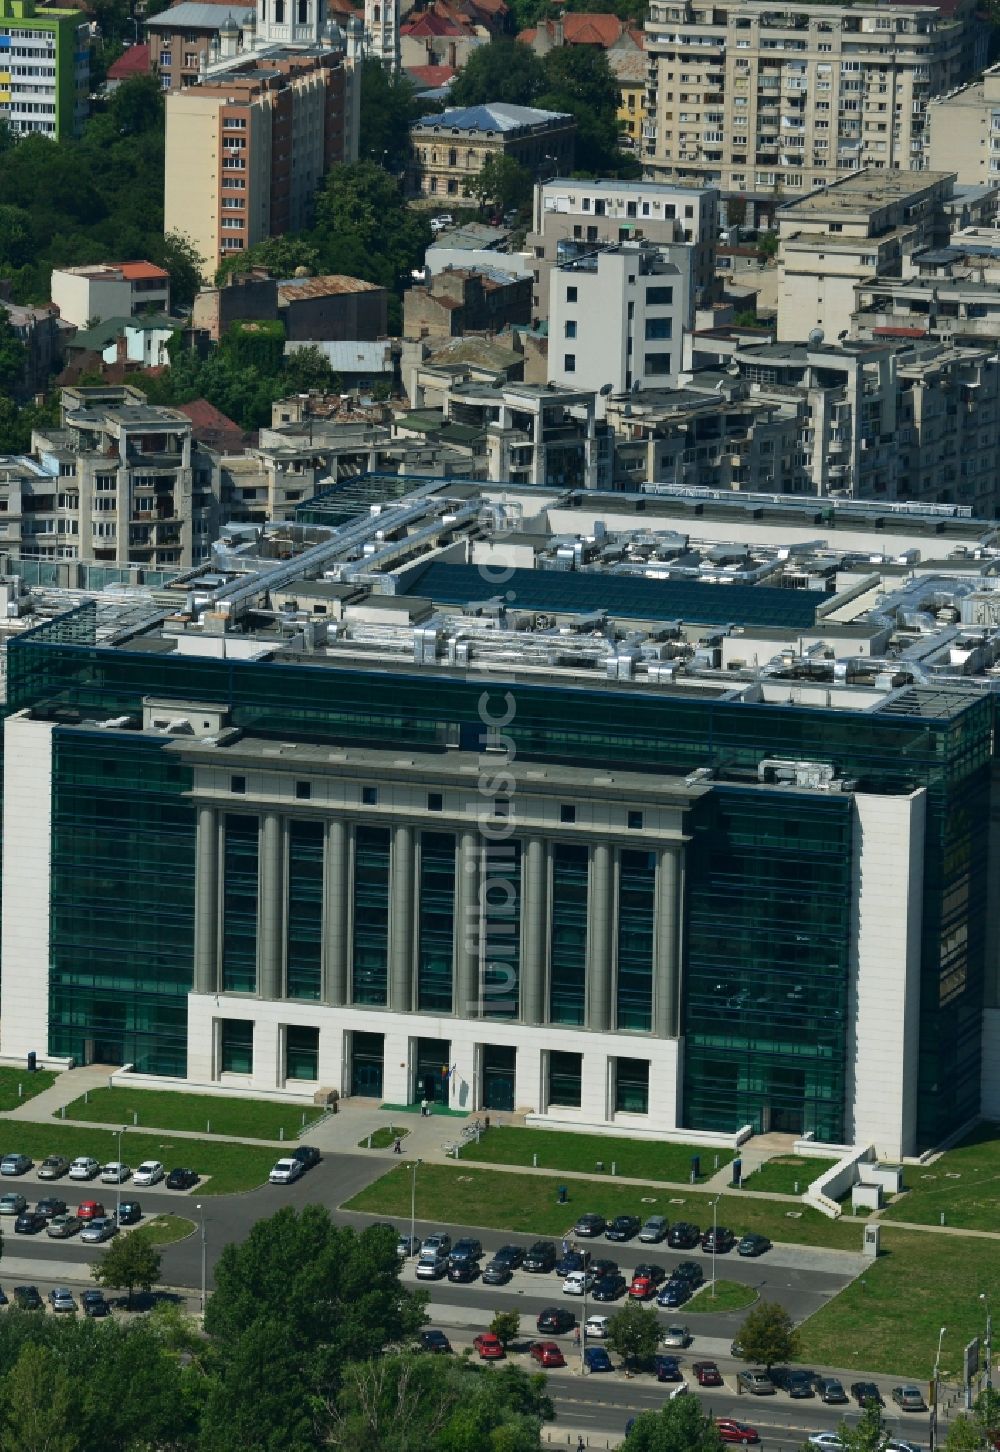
[
  {"x": 84, "y": 1169},
  {"x": 578, "y": 1283},
  {"x": 115, "y": 1173},
  {"x": 285, "y": 1172},
  {"x": 150, "y": 1172},
  {"x": 827, "y": 1440},
  {"x": 596, "y": 1328},
  {"x": 677, "y": 1389}
]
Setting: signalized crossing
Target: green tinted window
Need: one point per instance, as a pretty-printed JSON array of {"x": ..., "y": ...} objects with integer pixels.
[
  {"x": 568, "y": 980},
  {"x": 371, "y": 915},
  {"x": 239, "y": 905},
  {"x": 236, "y": 1046},
  {"x": 301, "y": 1052},
  {"x": 636, "y": 918},
  {"x": 305, "y": 909},
  {"x": 437, "y": 922}
]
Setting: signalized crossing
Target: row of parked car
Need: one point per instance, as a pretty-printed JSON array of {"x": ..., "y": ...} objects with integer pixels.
[
  {"x": 90, "y": 1219},
  {"x": 799, "y": 1383},
  {"x": 680, "y": 1235},
  {"x": 60, "y": 1298},
  {"x": 84, "y": 1167}
]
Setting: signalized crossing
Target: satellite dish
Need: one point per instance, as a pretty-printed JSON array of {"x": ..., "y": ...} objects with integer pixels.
[
  {"x": 608, "y": 388},
  {"x": 815, "y": 337}
]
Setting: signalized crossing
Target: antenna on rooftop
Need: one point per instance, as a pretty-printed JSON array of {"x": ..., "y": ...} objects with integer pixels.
[{"x": 815, "y": 337}]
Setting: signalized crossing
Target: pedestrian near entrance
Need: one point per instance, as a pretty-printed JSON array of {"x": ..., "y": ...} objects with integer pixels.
[
  {"x": 424, "y": 1107},
  {"x": 565, "y": 1247},
  {"x": 580, "y": 1445},
  {"x": 397, "y": 1146}
]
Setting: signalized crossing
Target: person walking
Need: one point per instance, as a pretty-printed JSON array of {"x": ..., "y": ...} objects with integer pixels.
[
  {"x": 424, "y": 1106},
  {"x": 581, "y": 1446},
  {"x": 397, "y": 1146}
]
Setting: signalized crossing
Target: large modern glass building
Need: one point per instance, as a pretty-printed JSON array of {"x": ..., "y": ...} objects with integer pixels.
[{"x": 395, "y": 851}]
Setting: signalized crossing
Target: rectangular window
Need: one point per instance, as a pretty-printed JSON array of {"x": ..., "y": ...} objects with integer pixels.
[
  {"x": 570, "y": 329},
  {"x": 632, "y": 1086},
  {"x": 367, "y": 1059},
  {"x": 635, "y": 821},
  {"x": 659, "y": 296},
  {"x": 657, "y": 364},
  {"x": 659, "y": 327},
  {"x": 571, "y": 294},
  {"x": 567, "y": 812},
  {"x": 236, "y": 1046},
  {"x": 567, "y": 985},
  {"x": 303, "y": 791},
  {"x": 437, "y": 922},
  {"x": 304, "y": 945},
  {"x": 569, "y": 363},
  {"x": 239, "y": 908},
  {"x": 565, "y": 1079},
  {"x": 369, "y": 796},
  {"x": 371, "y": 915},
  {"x": 636, "y": 926},
  {"x": 302, "y": 1052},
  {"x": 501, "y": 930},
  {"x": 435, "y": 802},
  {"x": 238, "y": 784}
]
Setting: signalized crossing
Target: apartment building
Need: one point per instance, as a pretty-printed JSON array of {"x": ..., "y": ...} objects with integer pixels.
[
  {"x": 963, "y": 129},
  {"x": 93, "y": 293},
  {"x": 758, "y": 98},
  {"x": 617, "y": 317},
  {"x": 449, "y": 148},
  {"x": 459, "y": 300},
  {"x": 860, "y": 226},
  {"x": 44, "y": 69},
  {"x": 248, "y": 145},
  {"x": 185, "y": 37},
  {"x": 570, "y": 214}
]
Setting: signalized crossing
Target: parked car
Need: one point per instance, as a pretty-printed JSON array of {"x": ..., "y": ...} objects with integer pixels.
[
  {"x": 307, "y": 1155},
  {"x": 547, "y": 1354},
  {"x": 129, "y": 1212},
  {"x": 756, "y": 1382},
  {"x": 718, "y": 1238},
  {"x": 115, "y": 1173},
  {"x": 741, "y": 1432},
  {"x": 463, "y": 1272},
  {"x": 12, "y": 1203},
  {"x": 667, "y": 1368},
  {"x": 863, "y": 1392},
  {"x": 706, "y": 1373},
  {"x": 438, "y": 1240},
  {"x": 53, "y": 1167},
  {"x": 84, "y": 1168},
  {"x": 683, "y": 1235},
  {"x": 609, "y": 1288},
  {"x": 94, "y": 1304},
  {"x": 435, "y": 1341},
  {"x": 909, "y": 1397},
  {"x": 61, "y": 1299},
  {"x": 655, "y": 1229},
  {"x": 285, "y": 1172},
  {"x": 753, "y": 1244},
  {"x": 488, "y": 1347},
  {"x": 578, "y": 1283},
  {"x": 604, "y": 1267},
  {"x": 676, "y": 1335},
  {"x": 541, "y": 1258},
  {"x": 497, "y": 1273},
  {"x": 512, "y": 1255},
  {"x": 596, "y": 1328},
  {"x": 15, "y": 1164},
  {"x": 98, "y": 1231},
  {"x": 623, "y": 1227},
  {"x": 826, "y": 1441},
  {"x": 797, "y": 1382},
  {"x": 61, "y": 1227},
  {"x": 595, "y": 1358},
  {"x": 184, "y": 1179},
  {"x": 829, "y": 1390},
  {"x": 405, "y": 1247},
  {"x": 690, "y": 1271},
  {"x": 590, "y": 1225},
  {"x": 90, "y": 1210},
  {"x": 29, "y": 1222},
  {"x": 432, "y": 1265},
  {"x": 556, "y": 1320},
  {"x": 51, "y": 1206},
  {"x": 466, "y": 1249},
  {"x": 26, "y": 1298},
  {"x": 573, "y": 1260},
  {"x": 674, "y": 1294}
]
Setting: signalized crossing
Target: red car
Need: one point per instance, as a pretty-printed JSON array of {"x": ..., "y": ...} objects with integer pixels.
[
  {"x": 490, "y": 1347},
  {"x": 642, "y": 1288},
  {"x": 731, "y": 1431},
  {"x": 547, "y": 1353},
  {"x": 90, "y": 1210},
  {"x": 707, "y": 1373}
]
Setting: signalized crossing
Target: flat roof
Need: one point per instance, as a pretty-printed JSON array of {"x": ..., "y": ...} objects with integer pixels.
[{"x": 866, "y": 191}]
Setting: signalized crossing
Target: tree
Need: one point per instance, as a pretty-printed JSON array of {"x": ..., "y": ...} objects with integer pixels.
[
  {"x": 365, "y": 228},
  {"x": 634, "y": 1332},
  {"x": 986, "y": 1408},
  {"x": 38, "y": 1404},
  {"x": 506, "y": 1326},
  {"x": 503, "y": 70},
  {"x": 867, "y": 1434},
  {"x": 13, "y": 356},
  {"x": 129, "y": 1261},
  {"x": 964, "y": 1435},
  {"x": 184, "y": 264},
  {"x": 680, "y": 1426},
  {"x": 388, "y": 107},
  {"x": 767, "y": 246},
  {"x": 578, "y": 79},
  {"x": 503, "y": 181},
  {"x": 768, "y": 1335},
  {"x": 281, "y": 256}
]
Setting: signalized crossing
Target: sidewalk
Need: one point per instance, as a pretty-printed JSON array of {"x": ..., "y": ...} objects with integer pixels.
[{"x": 70, "y": 1084}]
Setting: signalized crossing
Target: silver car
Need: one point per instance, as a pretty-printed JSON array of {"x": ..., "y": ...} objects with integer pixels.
[
  {"x": 97, "y": 1231},
  {"x": 61, "y": 1299},
  {"x": 84, "y": 1168},
  {"x": 61, "y": 1227},
  {"x": 654, "y": 1230}
]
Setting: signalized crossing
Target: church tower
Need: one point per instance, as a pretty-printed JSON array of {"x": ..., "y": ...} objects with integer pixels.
[
  {"x": 382, "y": 31},
  {"x": 290, "y": 22}
]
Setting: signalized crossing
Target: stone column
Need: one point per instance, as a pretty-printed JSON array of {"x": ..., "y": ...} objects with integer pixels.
[
  {"x": 271, "y": 910},
  {"x": 600, "y": 921},
  {"x": 335, "y": 910},
  {"x": 534, "y": 930},
  {"x": 401, "y": 898},
  {"x": 206, "y": 903},
  {"x": 666, "y": 961},
  {"x": 466, "y": 989}
]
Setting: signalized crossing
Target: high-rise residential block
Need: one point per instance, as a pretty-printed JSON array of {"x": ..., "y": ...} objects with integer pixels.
[{"x": 44, "y": 69}]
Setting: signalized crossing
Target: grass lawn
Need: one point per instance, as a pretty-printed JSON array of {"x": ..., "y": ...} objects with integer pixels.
[
  {"x": 638, "y": 1159},
  {"x": 31, "y": 1084},
  {"x": 382, "y": 1138},
  {"x": 888, "y": 1320},
  {"x": 243, "y": 1118},
  {"x": 729, "y": 1296},
  {"x": 166, "y": 1229},
  {"x": 781, "y": 1175},
  {"x": 502, "y": 1201},
  {"x": 231, "y": 1166},
  {"x": 964, "y": 1183}
]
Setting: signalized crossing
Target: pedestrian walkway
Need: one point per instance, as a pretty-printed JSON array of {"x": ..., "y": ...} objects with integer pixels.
[{"x": 70, "y": 1084}]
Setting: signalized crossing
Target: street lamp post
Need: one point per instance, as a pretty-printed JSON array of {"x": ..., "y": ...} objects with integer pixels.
[
  {"x": 715, "y": 1227},
  {"x": 935, "y": 1391},
  {"x": 583, "y": 1327},
  {"x": 413, "y": 1201},
  {"x": 984, "y": 1296},
  {"x": 118, "y": 1185},
  {"x": 204, "y": 1258}
]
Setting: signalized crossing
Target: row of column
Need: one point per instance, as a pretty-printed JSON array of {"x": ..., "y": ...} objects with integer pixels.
[{"x": 535, "y": 917}]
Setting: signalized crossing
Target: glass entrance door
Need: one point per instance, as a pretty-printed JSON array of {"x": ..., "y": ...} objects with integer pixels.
[
  {"x": 430, "y": 1076},
  {"x": 499, "y": 1068}
]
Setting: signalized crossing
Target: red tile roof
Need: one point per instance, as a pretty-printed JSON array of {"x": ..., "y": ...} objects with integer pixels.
[
  {"x": 132, "y": 62},
  {"x": 211, "y": 426},
  {"x": 430, "y": 76},
  {"x": 142, "y": 272},
  {"x": 604, "y": 30},
  {"x": 432, "y": 25},
  {"x": 899, "y": 332}
]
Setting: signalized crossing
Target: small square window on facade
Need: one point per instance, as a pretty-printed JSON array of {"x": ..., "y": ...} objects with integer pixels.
[
  {"x": 369, "y": 796},
  {"x": 635, "y": 821},
  {"x": 238, "y": 784},
  {"x": 501, "y": 807},
  {"x": 303, "y": 791},
  {"x": 571, "y": 294},
  {"x": 567, "y": 812},
  {"x": 435, "y": 802}
]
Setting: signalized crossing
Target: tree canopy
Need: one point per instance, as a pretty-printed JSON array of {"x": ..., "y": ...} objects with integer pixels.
[
  {"x": 679, "y": 1426},
  {"x": 768, "y": 1335}
]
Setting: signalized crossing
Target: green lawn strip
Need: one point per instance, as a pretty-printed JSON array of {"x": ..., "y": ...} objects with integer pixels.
[
  {"x": 888, "y": 1320},
  {"x": 638, "y": 1159},
  {"x": 163, "y": 1109},
  {"x": 382, "y": 1138},
  {"x": 31, "y": 1084},
  {"x": 231, "y": 1166},
  {"x": 729, "y": 1296},
  {"x": 504, "y": 1201},
  {"x": 964, "y": 1183},
  {"x": 166, "y": 1229},
  {"x": 781, "y": 1176}
]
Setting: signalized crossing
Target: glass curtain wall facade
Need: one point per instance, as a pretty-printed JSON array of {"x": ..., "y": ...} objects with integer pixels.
[
  {"x": 501, "y": 896},
  {"x": 437, "y": 922},
  {"x": 371, "y": 916},
  {"x": 305, "y": 910},
  {"x": 239, "y": 903},
  {"x": 636, "y": 927},
  {"x": 568, "y": 950}
]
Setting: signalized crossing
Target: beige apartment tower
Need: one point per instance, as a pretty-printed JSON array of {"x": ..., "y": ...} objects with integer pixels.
[{"x": 758, "y": 98}]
